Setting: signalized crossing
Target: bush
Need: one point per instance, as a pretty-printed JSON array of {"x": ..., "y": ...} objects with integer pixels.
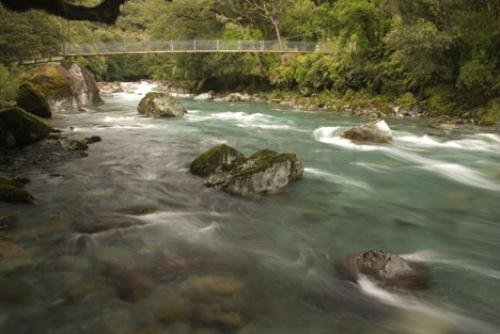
[{"x": 10, "y": 81}]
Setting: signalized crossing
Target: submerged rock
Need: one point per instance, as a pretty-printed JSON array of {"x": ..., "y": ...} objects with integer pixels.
[
  {"x": 160, "y": 105},
  {"x": 374, "y": 132},
  {"x": 139, "y": 210},
  {"x": 264, "y": 172},
  {"x": 12, "y": 191},
  {"x": 17, "y": 127},
  {"x": 217, "y": 302},
  {"x": 385, "y": 268},
  {"x": 92, "y": 140},
  {"x": 13, "y": 256},
  {"x": 111, "y": 222},
  {"x": 8, "y": 222},
  {"x": 218, "y": 158},
  {"x": 33, "y": 101}
]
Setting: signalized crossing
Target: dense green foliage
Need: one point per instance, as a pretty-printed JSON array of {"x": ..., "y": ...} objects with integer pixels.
[{"x": 446, "y": 53}]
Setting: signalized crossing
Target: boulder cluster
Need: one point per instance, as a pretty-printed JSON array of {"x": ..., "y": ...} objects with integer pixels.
[{"x": 264, "y": 172}]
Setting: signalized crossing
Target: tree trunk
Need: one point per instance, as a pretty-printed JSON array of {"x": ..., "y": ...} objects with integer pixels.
[{"x": 278, "y": 34}]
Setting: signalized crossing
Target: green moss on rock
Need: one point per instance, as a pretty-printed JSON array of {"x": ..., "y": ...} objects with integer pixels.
[
  {"x": 217, "y": 158},
  {"x": 17, "y": 127},
  {"x": 13, "y": 194},
  {"x": 51, "y": 81}
]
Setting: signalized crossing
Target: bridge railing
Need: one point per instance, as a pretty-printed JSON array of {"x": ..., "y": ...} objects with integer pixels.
[{"x": 192, "y": 46}]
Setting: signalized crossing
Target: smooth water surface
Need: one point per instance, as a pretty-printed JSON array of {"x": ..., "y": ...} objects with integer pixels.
[{"x": 433, "y": 196}]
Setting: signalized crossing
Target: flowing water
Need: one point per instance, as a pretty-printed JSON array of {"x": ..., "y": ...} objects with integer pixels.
[{"x": 229, "y": 264}]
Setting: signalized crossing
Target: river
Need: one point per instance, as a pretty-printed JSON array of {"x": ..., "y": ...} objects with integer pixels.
[{"x": 262, "y": 265}]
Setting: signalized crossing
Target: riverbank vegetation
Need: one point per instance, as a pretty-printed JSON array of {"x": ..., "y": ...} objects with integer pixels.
[{"x": 439, "y": 56}]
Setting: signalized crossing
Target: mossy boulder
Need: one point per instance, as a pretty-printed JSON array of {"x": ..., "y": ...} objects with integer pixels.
[
  {"x": 160, "y": 105},
  {"x": 110, "y": 222},
  {"x": 387, "y": 269},
  {"x": 17, "y": 127},
  {"x": 12, "y": 191},
  {"x": 264, "y": 172},
  {"x": 65, "y": 88},
  {"x": 374, "y": 132},
  {"x": 218, "y": 158},
  {"x": 33, "y": 101}
]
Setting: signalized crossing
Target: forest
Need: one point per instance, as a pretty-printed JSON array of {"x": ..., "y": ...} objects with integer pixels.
[{"x": 442, "y": 55}]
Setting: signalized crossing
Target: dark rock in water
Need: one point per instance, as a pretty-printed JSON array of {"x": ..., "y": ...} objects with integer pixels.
[
  {"x": 160, "y": 105},
  {"x": 12, "y": 192},
  {"x": 385, "y": 268},
  {"x": 33, "y": 101},
  {"x": 111, "y": 222},
  {"x": 50, "y": 150},
  {"x": 8, "y": 222},
  {"x": 375, "y": 132},
  {"x": 92, "y": 139},
  {"x": 76, "y": 145},
  {"x": 21, "y": 180},
  {"x": 265, "y": 172},
  {"x": 218, "y": 158},
  {"x": 17, "y": 128},
  {"x": 139, "y": 210}
]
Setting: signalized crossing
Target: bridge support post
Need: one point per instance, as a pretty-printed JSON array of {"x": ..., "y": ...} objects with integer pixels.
[
  {"x": 217, "y": 45},
  {"x": 194, "y": 45},
  {"x": 172, "y": 46}
]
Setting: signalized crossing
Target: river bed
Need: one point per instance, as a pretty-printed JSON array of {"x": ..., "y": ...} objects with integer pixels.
[{"x": 209, "y": 262}]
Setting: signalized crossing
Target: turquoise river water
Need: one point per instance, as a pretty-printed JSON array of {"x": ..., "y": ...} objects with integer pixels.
[{"x": 209, "y": 262}]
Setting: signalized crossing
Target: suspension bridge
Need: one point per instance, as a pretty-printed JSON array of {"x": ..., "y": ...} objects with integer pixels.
[{"x": 180, "y": 47}]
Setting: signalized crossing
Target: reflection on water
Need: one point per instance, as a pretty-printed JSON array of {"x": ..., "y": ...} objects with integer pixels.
[{"x": 195, "y": 260}]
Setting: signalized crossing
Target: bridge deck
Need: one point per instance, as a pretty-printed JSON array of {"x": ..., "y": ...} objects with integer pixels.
[{"x": 179, "y": 47}]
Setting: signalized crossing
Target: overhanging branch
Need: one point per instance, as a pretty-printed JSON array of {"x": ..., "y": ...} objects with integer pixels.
[{"x": 106, "y": 12}]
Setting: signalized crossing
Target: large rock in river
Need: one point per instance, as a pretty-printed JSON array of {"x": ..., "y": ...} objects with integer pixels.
[
  {"x": 33, "y": 101},
  {"x": 18, "y": 127},
  {"x": 385, "y": 268},
  {"x": 217, "y": 159},
  {"x": 374, "y": 132},
  {"x": 67, "y": 88},
  {"x": 156, "y": 104},
  {"x": 264, "y": 172}
]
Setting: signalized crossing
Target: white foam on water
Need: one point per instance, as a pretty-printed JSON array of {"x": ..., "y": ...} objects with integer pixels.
[
  {"x": 245, "y": 120},
  {"x": 467, "y": 144},
  {"x": 433, "y": 257},
  {"x": 452, "y": 171},
  {"x": 490, "y": 136},
  {"x": 410, "y": 303},
  {"x": 337, "y": 178},
  {"x": 113, "y": 119},
  {"x": 136, "y": 90},
  {"x": 373, "y": 167}
]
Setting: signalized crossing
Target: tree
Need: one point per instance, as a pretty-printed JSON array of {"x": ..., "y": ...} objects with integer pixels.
[{"x": 269, "y": 10}]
